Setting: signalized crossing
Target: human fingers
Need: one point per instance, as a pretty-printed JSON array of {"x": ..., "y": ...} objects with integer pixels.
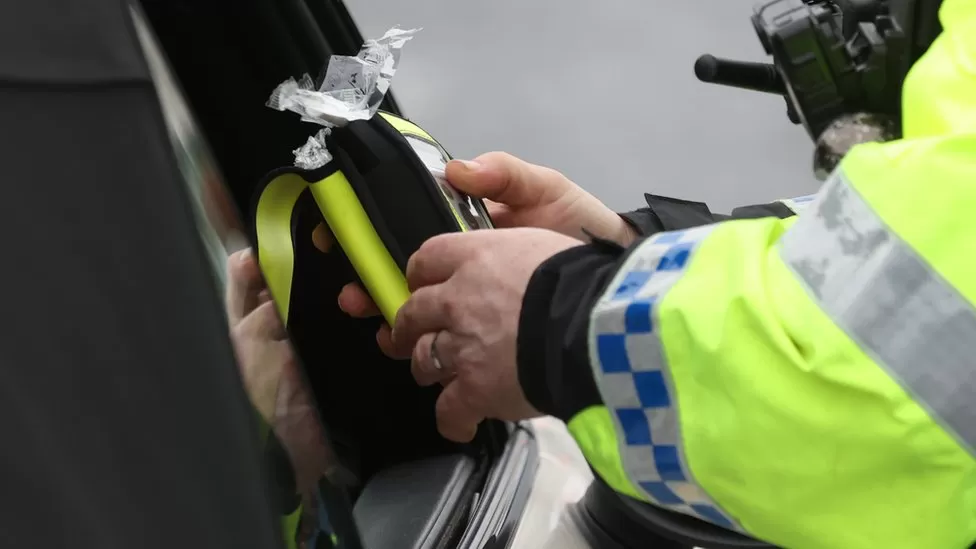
[
  {"x": 428, "y": 364},
  {"x": 441, "y": 256},
  {"x": 261, "y": 371},
  {"x": 244, "y": 284},
  {"x": 500, "y": 214},
  {"x": 263, "y": 323},
  {"x": 457, "y": 420},
  {"x": 503, "y": 178},
  {"x": 384, "y": 338},
  {"x": 425, "y": 312},
  {"x": 355, "y": 302},
  {"x": 322, "y": 238}
]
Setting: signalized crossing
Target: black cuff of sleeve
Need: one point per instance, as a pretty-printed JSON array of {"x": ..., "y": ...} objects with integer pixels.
[
  {"x": 668, "y": 214},
  {"x": 552, "y": 348},
  {"x": 772, "y": 209},
  {"x": 532, "y": 342},
  {"x": 644, "y": 221},
  {"x": 676, "y": 213}
]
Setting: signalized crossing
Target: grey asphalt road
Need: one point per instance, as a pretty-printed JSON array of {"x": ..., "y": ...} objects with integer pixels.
[{"x": 603, "y": 91}]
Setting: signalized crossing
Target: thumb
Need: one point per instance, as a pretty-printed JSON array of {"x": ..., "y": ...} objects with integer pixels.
[
  {"x": 244, "y": 284},
  {"x": 503, "y": 178}
]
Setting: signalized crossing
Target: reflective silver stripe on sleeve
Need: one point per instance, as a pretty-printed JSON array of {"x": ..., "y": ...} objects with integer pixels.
[{"x": 887, "y": 299}]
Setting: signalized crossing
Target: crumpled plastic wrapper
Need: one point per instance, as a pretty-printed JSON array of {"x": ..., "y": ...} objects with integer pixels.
[
  {"x": 352, "y": 89},
  {"x": 313, "y": 154}
]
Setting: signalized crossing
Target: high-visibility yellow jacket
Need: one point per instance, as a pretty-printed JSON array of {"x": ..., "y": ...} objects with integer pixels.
[{"x": 810, "y": 380}]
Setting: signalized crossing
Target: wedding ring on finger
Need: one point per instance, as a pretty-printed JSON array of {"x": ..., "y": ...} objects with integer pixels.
[{"x": 433, "y": 354}]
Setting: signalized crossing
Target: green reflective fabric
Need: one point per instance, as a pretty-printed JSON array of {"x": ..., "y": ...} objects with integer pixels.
[
  {"x": 938, "y": 95},
  {"x": 289, "y": 525},
  {"x": 593, "y": 430}
]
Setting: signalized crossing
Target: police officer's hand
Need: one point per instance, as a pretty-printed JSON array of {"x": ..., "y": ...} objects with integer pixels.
[
  {"x": 517, "y": 194},
  {"x": 467, "y": 299},
  {"x": 520, "y": 194}
]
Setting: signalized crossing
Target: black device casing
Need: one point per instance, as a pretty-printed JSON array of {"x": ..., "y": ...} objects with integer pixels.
[{"x": 395, "y": 188}]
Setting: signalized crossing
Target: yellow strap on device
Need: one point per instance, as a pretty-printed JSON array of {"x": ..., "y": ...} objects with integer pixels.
[{"x": 362, "y": 245}]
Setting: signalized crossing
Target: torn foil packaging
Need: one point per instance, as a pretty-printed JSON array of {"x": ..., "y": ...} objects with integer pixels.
[
  {"x": 313, "y": 154},
  {"x": 352, "y": 89}
]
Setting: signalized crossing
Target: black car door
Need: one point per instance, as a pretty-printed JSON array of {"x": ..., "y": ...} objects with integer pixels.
[{"x": 124, "y": 420}]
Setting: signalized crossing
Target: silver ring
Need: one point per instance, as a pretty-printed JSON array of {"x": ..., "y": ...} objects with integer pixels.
[{"x": 433, "y": 353}]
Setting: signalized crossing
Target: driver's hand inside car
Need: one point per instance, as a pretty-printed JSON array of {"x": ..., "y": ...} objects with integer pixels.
[
  {"x": 271, "y": 371},
  {"x": 259, "y": 338}
]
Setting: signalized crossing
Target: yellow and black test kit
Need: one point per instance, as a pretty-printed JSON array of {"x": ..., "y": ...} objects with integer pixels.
[{"x": 382, "y": 195}]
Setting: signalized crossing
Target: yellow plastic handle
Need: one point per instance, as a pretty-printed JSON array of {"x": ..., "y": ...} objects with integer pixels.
[{"x": 354, "y": 232}]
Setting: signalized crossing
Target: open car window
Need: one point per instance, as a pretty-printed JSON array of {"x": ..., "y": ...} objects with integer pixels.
[{"x": 302, "y": 467}]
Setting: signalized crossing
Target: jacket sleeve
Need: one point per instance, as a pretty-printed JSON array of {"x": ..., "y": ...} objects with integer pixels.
[
  {"x": 664, "y": 213},
  {"x": 805, "y": 379},
  {"x": 552, "y": 312},
  {"x": 728, "y": 372},
  {"x": 566, "y": 335}
]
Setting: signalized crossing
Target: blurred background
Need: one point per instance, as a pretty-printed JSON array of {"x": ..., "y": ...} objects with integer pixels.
[{"x": 603, "y": 91}]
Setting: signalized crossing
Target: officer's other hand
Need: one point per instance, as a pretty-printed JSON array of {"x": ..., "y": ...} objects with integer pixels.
[
  {"x": 520, "y": 194},
  {"x": 467, "y": 292}
]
